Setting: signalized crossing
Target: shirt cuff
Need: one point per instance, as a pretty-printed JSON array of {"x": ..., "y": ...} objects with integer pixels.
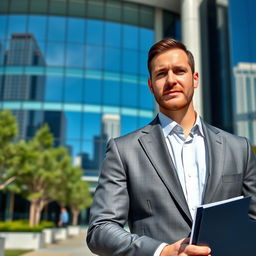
[{"x": 159, "y": 249}]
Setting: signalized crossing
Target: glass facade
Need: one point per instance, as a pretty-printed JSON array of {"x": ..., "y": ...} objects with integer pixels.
[
  {"x": 243, "y": 40},
  {"x": 79, "y": 66}
]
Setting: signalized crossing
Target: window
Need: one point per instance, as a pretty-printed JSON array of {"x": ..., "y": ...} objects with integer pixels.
[
  {"x": 55, "y": 54},
  {"x": 56, "y": 28},
  {"x": 53, "y": 89},
  {"x": 93, "y": 91},
  {"x": 17, "y": 24},
  {"x": 94, "y": 32},
  {"x": 112, "y": 34},
  {"x": 76, "y": 30},
  {"x": 130, "y": 62},
  {"x": 91, "y": 125},
  {"x": 73, "y": 89},
  {"x": 94, "y": 57},
  {"x": 130, "y": 37},
  {"x": 73, "y": 122},
  {"x": 111, "y": 93},
  {"x": 112, "y": 59},
  {"x": 128, "y": 124},
  {"x": 37, "y": 26},
  {"x": 3, "y": 27},
  {"x": 129, "y": 95},
  {"x": 75, "y": 55},
  {"x": 145, "y": 97}
]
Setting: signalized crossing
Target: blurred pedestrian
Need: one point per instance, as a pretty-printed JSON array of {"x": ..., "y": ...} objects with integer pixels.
[{"x": 64, "y": 217}]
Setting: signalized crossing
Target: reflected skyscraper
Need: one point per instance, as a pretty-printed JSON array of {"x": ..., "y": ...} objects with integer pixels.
[
  {"x": 23, "y": 51},
  {"x": 245, "y": 100},
  {"x": 243, "y": 53},
  {"x": 111, "y": 125},
  {"x": 110, "y": 128}
]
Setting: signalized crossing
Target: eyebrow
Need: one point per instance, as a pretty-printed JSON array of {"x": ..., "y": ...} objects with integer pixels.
[
  {"x": 163, "y": 68},
  {"x": 160, "y": 69}
]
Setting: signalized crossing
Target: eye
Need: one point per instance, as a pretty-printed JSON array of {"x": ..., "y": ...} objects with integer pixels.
[
  {"x": 180, "y": 71},
  {"x": 160, "y": 74}
]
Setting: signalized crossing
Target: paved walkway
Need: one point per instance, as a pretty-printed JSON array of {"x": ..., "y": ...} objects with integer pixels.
[{"x": 73, "y": 246}]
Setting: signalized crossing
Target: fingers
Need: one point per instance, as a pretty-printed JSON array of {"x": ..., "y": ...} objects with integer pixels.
[
  {"x": 196, "y": 250},
  {"x": 187, "y": 249},
  {"x": 183, "y": 248}
]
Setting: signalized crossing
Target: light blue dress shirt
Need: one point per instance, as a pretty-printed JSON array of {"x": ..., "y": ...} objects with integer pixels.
[{"x": 189, "y": 158}]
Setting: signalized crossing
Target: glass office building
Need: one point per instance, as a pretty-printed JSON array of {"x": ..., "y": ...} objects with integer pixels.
[
  {"x": 80, "y": 66},
  {"x": 244, "y": 67}
]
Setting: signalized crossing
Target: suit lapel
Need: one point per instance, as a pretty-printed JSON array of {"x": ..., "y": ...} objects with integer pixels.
[
  {"x": 215, "y": 150},
  {"x": 154, "y": 145}
]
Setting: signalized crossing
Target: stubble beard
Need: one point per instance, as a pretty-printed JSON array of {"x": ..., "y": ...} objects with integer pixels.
[{"x": 171, "y": 106}]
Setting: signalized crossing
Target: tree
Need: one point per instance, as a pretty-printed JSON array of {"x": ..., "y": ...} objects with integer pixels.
[
  {"x": 8, "y": 131},
  {"x": 75, "y": 192},
  {"x": 38, "y": 171},
  {"x": 79, "y": 199}
]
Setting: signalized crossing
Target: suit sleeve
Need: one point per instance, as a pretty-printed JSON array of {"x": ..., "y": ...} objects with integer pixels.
[
  {"x": 249, "y": 182},
  {"x": 109, "y": 213}
]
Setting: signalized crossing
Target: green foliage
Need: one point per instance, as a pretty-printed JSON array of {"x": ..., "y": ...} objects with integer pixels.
[
  {"x": 37, "y": 166},
  {"x": 8, "y": 131},
  {"x": 8, "y": 127},
  {"x": 23, "y": 226},
  {"x": 75, "y": 192},
  {"x": 37, "y": 170},
  {"x": 80, "y": 196}
]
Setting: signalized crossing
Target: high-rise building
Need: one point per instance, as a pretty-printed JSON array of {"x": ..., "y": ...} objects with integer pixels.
[
  {"x": 245, "y": 100},
  {"x": 243, "y": 64},
  {"x": 111, "y": 126},
  {"x": 81, "y": 65},
  {"x": 23, "y": 51}
]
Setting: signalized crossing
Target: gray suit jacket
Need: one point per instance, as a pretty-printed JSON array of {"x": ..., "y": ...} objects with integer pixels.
[{"x": 139, "y": 184}]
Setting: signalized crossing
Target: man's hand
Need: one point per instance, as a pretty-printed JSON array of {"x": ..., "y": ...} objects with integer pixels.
[{"x": 183, "y": 248}]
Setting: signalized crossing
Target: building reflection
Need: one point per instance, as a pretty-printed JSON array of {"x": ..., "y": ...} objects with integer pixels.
[
  {"x": 245, "y": 100},
  {"x": 23, "y": 51},
  {"x": 110, "y": 129}
]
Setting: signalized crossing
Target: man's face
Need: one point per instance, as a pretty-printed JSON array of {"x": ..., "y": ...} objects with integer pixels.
[{"x": 172, "y": 81}]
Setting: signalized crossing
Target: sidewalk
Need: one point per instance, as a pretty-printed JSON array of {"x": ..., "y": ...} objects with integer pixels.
[{"x": 73, "y": 246}]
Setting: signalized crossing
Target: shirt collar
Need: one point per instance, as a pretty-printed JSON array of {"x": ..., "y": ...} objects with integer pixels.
[{"x": 168, "y": 124}]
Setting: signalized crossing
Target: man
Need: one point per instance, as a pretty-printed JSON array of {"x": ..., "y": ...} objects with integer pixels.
[
  {"x": 156, "y": 176},
  {"x": 64, "y": 217}
]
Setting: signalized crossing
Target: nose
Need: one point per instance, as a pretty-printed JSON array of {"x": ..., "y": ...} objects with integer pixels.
[{"x": 171, "y": 78}]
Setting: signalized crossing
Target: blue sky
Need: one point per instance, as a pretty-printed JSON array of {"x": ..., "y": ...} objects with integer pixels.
[{"x": 242, "y": 15}]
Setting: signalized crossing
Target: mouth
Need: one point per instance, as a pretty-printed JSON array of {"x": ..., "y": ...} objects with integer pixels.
[{"x": 172, "y": 92}]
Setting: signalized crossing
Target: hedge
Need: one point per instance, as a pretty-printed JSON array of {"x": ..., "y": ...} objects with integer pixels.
[{"x": 23, "y": 226}]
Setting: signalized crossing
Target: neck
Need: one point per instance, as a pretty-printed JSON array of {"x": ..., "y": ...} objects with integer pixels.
[{"x": 186, "y": 118}]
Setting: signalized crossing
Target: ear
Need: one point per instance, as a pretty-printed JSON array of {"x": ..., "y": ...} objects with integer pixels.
[
  {"x": 150, "y": 85},
  {"x": 196, "y": 79}
]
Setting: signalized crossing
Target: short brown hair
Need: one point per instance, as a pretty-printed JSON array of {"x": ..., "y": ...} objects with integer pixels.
[{"x": 168, "y": 44}]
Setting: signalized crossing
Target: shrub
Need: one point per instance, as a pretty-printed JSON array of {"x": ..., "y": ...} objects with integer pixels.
[{"x": 23, "y": 226}]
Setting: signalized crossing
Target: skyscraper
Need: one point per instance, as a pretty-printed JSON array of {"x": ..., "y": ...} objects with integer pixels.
[
  {"x": 80, "y": 65},
  {"x": 245, "y": 100},
  {"x": 23, "y": 51}
]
